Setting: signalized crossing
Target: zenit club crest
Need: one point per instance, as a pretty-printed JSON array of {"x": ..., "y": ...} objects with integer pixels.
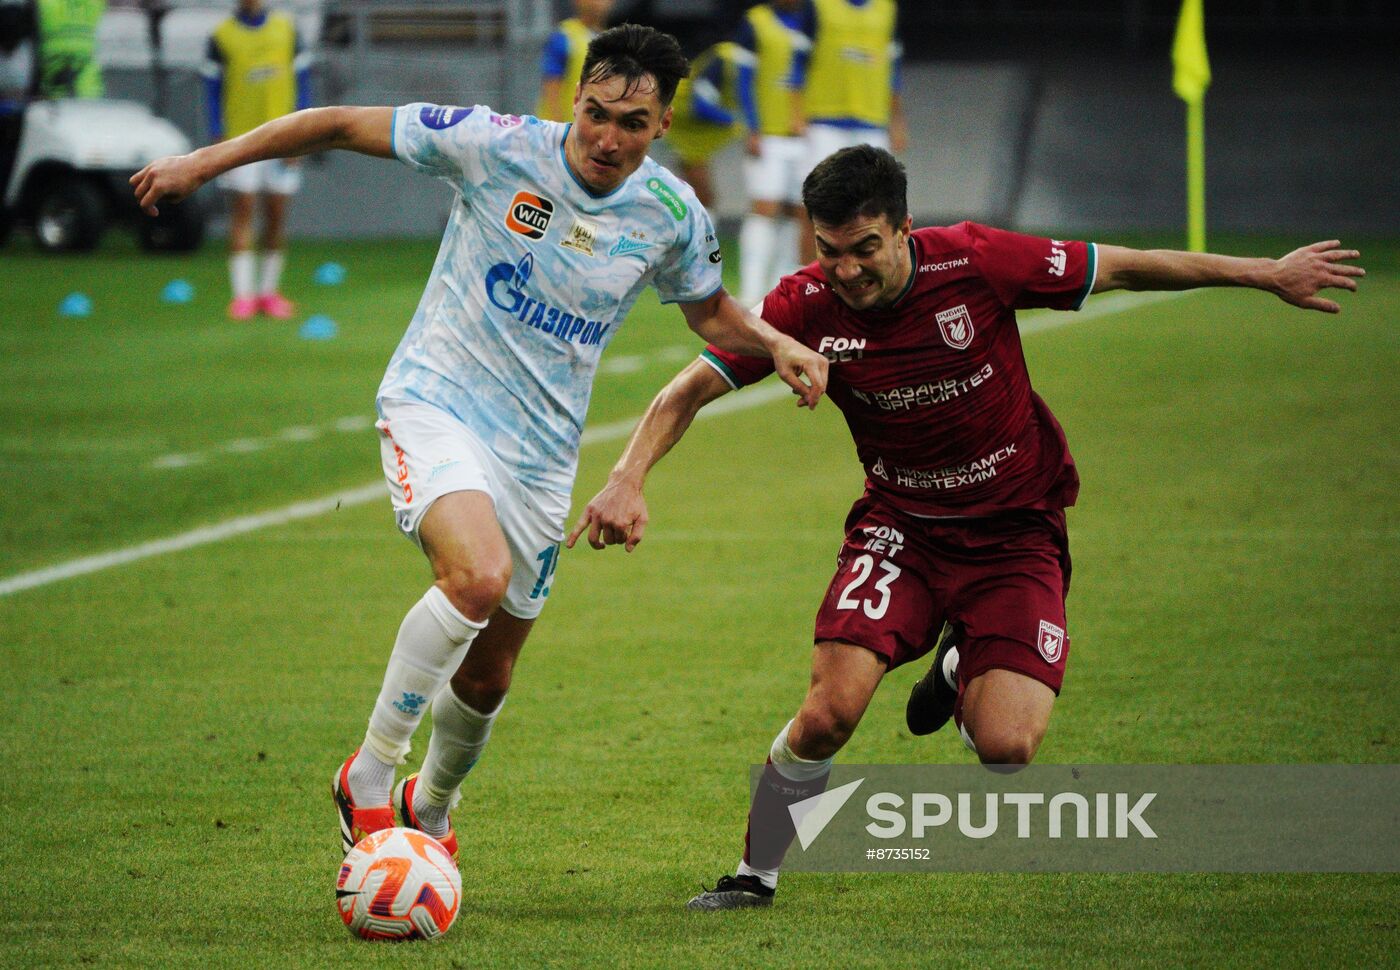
[
  {"x": 529, "y": 215},
  {"x": 956, "y": 326}
]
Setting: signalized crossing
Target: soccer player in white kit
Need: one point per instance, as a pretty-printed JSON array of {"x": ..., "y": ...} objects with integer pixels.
[{"x": 558, "y": 230}]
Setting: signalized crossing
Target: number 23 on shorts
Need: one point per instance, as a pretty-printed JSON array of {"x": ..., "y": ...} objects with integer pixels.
[{"x": 875, "y": 598}]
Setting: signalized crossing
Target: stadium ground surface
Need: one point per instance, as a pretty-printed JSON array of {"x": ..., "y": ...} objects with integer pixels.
[{"x": 172, "y": 724}]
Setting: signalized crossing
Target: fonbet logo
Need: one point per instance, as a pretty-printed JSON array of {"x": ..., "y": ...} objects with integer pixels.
[
  {"x": 506, "y": 285},
  {"x": 838, "y": 349},
  {"x": 529, "y": 215},
  {"x": 1097, "y": 815}
]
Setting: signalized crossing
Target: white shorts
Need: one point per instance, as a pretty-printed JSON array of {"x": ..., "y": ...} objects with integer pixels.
[
  {"x": 823, "y": 140},
  {"x": 776, "y": 174},
  {"x": 272, "y": 175},
  {"x": 428, "y": 453}
]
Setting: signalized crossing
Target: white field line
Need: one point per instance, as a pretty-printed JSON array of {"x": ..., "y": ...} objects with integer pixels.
[
  {"x": 743, "y": 400},
  {"x": 1035, "y": 321},
  {"x": 297, "y": 434}
]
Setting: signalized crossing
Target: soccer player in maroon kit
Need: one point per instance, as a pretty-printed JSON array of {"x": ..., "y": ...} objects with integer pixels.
[{"x": 958, "y": 545}]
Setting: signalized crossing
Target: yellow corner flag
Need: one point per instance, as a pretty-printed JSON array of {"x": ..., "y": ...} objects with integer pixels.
[
  {"x": 1190, "y": 78},
  {"x": 1192, "y": 67}
]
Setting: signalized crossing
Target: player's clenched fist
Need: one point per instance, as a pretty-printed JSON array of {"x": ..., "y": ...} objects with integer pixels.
[{"x": 168, "y": 179}]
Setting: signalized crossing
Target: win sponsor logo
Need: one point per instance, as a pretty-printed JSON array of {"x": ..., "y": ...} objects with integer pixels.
[
  {"x": 506, "y": 289},
  {"x": 529, "y": 214}
]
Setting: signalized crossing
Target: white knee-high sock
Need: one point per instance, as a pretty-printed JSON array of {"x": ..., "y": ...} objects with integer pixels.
[
  {"x": 272, "y": 262},
  {"x": 787, "y": 256},
  {"x": 432, "y": 641},
  {"x": 242, "y": 273},
  {"x": 460, "y": 733},
  {"x": 756, "y": 238}
]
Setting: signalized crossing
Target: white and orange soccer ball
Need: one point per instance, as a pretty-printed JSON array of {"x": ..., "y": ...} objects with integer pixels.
[{"x": 398, "y": 884}]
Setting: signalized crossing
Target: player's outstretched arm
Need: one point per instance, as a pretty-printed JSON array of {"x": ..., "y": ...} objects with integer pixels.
[
  {"x": 723, "y": 322},
  {"x": 1296, "y": 278},
  {"x": 364, "y": 130},
  {"x": 618, "y": 514}
]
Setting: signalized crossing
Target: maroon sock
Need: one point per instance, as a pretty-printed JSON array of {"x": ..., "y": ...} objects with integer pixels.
[{"x": 770, "y": 829}]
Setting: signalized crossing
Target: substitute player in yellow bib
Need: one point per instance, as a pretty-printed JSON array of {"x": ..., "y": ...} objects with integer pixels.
[
  {"x": 563, "y": 58},
  {"x": 852, "y": 84},
  {"x": 255, "y": 71},
  {"x": 705, "y": 115},
  {"x": 776, "y": 155}
]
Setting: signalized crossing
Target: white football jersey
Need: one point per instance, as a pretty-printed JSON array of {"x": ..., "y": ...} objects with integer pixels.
[{"x": 534, "y": 276}]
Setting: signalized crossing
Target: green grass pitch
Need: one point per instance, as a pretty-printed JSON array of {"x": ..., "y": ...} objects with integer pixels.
[{"x": 170, "y": 727}]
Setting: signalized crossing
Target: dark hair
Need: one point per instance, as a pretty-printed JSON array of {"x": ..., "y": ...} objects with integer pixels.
[
  {"x": 633, "y": 52},
  {"x": 857, "y": 181}
]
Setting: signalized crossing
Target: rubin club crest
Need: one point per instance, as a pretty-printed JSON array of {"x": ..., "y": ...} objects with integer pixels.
[{"x": 956, "y": 326}]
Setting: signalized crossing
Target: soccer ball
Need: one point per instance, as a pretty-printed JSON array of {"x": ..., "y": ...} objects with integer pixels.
[{"x": 398, "y": 884}]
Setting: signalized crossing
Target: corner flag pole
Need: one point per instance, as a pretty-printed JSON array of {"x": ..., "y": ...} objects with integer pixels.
[{"x": 1190, "y": 78}]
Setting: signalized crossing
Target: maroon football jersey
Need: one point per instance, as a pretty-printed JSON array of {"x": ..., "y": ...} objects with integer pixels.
[{"x": 935, "y": 388}]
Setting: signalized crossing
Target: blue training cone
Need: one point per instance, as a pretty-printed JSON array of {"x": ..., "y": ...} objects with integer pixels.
[
  {"x": 329, "y": 274},
  {"x": 75, "y": 305},
  {"x": 177, "y": 291},
  {"x": 318, "y": 327}
]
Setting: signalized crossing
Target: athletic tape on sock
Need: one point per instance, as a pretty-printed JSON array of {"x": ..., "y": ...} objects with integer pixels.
[
  {"x": 456, "y": 625},
  {"x": 789, "y": 765}
]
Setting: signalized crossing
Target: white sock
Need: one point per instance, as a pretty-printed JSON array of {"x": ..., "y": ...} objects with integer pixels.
[
  {"x": 432, "y": 641},
  {"x": 787, "y": 250},
  {"x": 950, "y": 668},
  {"x": 460, "y": 733},
  {"x": 769, "y": 877},
  {"x": 242, "y": 270},
  {"x": 756, "y": 238},
  {"x": 793, "y": 768},
  {"x": 271, "y": 271},
  {"x": 967, "y": 738}
]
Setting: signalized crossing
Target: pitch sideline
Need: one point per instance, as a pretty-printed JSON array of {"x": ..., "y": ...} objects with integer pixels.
[{"x": 740, "y": 401}]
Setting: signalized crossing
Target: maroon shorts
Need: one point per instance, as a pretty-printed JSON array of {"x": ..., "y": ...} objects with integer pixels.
[{"x": 1004, "y": 578}]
